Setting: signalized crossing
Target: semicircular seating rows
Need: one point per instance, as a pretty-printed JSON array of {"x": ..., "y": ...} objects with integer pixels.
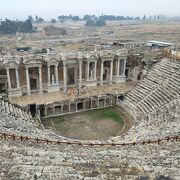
[{"x": 155, "y": 106}]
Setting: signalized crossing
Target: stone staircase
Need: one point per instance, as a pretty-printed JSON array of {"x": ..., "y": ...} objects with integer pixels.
[{"x": 27, "y": 161}]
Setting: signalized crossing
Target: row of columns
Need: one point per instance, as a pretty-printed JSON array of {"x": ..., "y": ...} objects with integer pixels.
[{"x": 65, "y": 74}]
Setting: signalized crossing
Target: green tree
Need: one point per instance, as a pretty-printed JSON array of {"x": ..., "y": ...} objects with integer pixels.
[
  {"x": 30, "y": 18},
  {"x": 37, "y": 19},
  {"x": 40, "y": 20},
  {"x": 90, "y": 22},
  {"x": 53, "y": 21},
  {"x": 87, "y": 17},
  {"x": 144, "y": 17},
  {"x": 11, "y": 27},
  {"x": 75, "y": 18},
  {"x": 100, "y": 22}
]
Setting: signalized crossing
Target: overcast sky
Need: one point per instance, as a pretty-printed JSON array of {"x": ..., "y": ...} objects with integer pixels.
[{"x": 48, "y": 9}]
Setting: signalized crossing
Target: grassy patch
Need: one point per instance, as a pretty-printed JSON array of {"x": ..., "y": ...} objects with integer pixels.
[
  {"x": 56, "y": 120},
  {"x": 107, "y": 113}
]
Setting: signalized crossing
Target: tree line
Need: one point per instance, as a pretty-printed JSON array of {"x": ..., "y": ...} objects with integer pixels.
[
  {"x": 109, "y": 17},
  {"x": 12, "y": 27}
]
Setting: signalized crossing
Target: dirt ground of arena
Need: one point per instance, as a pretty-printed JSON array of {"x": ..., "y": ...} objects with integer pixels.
[{"x": 90, "y": 125}]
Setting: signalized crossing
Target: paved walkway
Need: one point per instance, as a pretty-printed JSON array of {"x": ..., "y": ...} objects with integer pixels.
[{"x": 60, "y": 96}]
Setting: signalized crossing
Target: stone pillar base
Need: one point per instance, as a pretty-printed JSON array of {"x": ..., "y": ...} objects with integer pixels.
[
  {"x": 120, "y": 79},
  {"x": 90, "y": 83},
  {"x": 40, "y": 92},
  {"x": 15, "y": 93},
  {"x": 54, "y": 88}
]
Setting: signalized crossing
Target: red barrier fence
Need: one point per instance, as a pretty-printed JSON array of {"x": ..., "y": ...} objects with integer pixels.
[{"x": 13, "y": 137}]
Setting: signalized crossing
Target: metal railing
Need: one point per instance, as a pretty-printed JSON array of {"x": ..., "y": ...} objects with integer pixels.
[{"x": 13, "y": 137}]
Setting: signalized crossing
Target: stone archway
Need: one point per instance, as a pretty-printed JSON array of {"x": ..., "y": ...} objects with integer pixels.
[
  {"x": 94, "y": 103},
  {"x": 49, "y": 111},
  {"x": 65, "y": 108},
  {"x": 72, "y": 107},
  {"x": 87, "y": 105},
  {"x": 101, "y": 102},
  {"x": 58, "y": 110}
]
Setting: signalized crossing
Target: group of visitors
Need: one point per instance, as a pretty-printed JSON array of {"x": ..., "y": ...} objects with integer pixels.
[{"x": 73, "y": 91}]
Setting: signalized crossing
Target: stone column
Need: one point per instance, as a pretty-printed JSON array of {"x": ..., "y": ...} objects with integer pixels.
[
  {"x": 84, "y": 105},
  {"x": 95, "y": 68},
  {"x": 69, "y": 107},
  {"x": 76, "y": 106},
  {"x": 104, "y": 101},
  {"x": 56, "y": 71},
  {"x": 49, "y": 75},
  {"x": 88, "y": 71},
  {"x": 111, "y": 101},
  {"x": 27, "y": 81},
  {"x": 54, "y": 112},
  {"x": 124, "y": 67},
  {"x": 8, "y": 78},
  {"x": 102, "y": 67},
  {"x": 97, "y": 102},
  {"x": 117, "y": 72},
  {"x": 111, "y": 72},
  {"x": 80, "y": 74},
  {"x": 45, "y": 111},
  {"x": 40, "y": 79},
  {"x": 91, "y": 104},
  {"x": 17, "y": 78},
  {"x": 65, "y": 74},
  {"x": 61, "y": 108},
  {"x": 75, "y": 75}
]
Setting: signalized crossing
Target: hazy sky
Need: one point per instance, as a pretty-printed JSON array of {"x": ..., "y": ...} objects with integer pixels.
[{"x": 48, "y": 9}]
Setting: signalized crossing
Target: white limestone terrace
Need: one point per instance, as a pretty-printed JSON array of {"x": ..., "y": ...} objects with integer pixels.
[{"x": 155, "y": 105}]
